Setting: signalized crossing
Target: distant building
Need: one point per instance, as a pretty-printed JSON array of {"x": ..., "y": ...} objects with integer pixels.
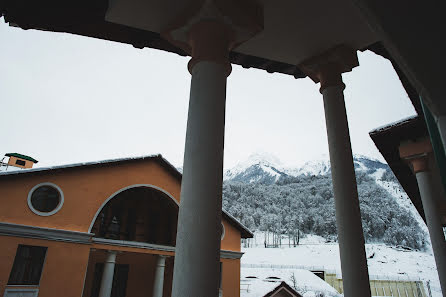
[
  {"x": 269, "y": 280},
  {"x": 380, "y": 286},
  {"x": 99, "y": 229}
]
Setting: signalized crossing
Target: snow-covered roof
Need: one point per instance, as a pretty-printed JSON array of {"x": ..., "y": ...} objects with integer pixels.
[
  {"x": 283, "y": 289},
  {"x": 74, "y": 165},
  {"x": 388, "y": 140},
  {"x": 257, "y": 282},
  {"x": 394, "y": 124}
]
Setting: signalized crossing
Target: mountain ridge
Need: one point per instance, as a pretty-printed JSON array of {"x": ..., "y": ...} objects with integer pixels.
[{"x": 266, "y": 168}]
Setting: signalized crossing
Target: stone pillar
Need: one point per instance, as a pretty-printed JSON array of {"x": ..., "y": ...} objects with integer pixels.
[
  {"x": 327, "y": 70},
  {"x": 107, "y": 274},
  {"x": 158, "y": 283},
  {"x": 198, "y": 245},
  {"x": 418, "y": 154},
  {"x": 207, "y": 35}
]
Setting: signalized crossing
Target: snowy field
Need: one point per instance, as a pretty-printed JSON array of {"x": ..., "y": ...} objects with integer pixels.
[{"x": 313, "y": 253}]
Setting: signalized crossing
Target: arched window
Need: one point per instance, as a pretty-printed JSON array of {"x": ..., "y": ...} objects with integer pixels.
[{"x": 140, "y": 214}]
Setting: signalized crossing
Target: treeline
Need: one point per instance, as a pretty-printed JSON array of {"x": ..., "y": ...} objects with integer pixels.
[{"x": 305, "y": 204}]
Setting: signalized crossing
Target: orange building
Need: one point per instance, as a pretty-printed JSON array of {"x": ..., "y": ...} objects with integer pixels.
[{"x": 99, "y": 229}]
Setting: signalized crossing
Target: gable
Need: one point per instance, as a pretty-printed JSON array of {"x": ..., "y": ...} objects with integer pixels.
[
  {"x": 284, "y": 293},
  {"x": 283, "y": 290},
  {"x": 86, "y": 188}
]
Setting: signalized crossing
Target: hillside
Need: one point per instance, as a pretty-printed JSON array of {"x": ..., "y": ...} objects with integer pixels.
[{"x": 267, "y": 196}]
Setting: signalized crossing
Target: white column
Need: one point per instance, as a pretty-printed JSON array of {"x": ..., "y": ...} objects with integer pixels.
[
  {"x": 107, "y": 275},
  {"x": 158, "y": 283},
  {"x": 420, "y": 156},
  {"x": 327, "y": 69},
  {"x": 429, "y": 197},
  {"x": 197, "y": 253},
  {"x": 348, "y": 217},
  {"x": 208, "y": 35}
]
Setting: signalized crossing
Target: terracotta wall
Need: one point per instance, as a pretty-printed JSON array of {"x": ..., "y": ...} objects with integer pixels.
[
  {"x": 63, "y": 270},
  {"x": 232, "y": 239},
  {"x": 231, "y": 278}
]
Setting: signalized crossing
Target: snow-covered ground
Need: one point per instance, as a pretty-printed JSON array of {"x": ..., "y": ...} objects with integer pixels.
[
  {"x": 256, "y": 282},
  {"x": 313, "y": 253}
]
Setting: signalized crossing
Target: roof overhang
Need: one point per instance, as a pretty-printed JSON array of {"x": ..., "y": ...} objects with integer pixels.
[
  {"x": 388, "y": 140},
  {"x": 294, "y": 31}
]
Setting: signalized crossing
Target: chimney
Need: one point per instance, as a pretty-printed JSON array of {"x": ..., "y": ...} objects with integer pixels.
[{"x": 19, "y": 161}]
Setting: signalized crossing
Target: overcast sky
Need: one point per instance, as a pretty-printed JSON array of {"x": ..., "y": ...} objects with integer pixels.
[{"x": 67, "y": 99}]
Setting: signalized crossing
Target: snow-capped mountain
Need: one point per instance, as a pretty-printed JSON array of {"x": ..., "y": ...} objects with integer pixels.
[
  {"x": 263, "y": 168},
  {"x": 260, "y": 190},
  {"x": 313, "y": 167},
  {"x": 267, "y": 169}
]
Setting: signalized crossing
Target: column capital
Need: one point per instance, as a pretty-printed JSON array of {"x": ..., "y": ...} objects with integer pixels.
[
  {"x": 209, "y": 30},
  {"x": 416, "y": 154},
  {"x": 111, "y": 256},
  {"x": 327, "y": 67}
]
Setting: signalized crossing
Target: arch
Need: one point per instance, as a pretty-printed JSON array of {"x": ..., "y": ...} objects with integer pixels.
[{"x": 125, "y": 189}]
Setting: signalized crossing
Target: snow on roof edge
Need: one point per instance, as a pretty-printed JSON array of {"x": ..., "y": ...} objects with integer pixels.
[
  {"x": 74, "y": 165},
  {"x": 393, "y": 124}
]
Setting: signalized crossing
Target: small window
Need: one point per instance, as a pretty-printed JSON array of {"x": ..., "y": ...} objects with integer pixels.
[
  {"x": 45, "y": 199},
  {"x": 28, "y": 264},
  {"x": 20, "y": 162}
]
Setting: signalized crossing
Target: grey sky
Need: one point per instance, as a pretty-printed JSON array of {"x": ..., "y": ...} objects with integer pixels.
[{"x": 67, "y": 98}]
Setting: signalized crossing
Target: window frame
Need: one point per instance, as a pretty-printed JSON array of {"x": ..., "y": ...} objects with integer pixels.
[
  {"x": 20, "y": 162},
  {"x": 58, "y": 207},
  {"x": 10, "y": 284}
]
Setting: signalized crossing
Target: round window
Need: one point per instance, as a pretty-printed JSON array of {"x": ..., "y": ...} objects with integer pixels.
[{"x": 45, "y": 199}]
